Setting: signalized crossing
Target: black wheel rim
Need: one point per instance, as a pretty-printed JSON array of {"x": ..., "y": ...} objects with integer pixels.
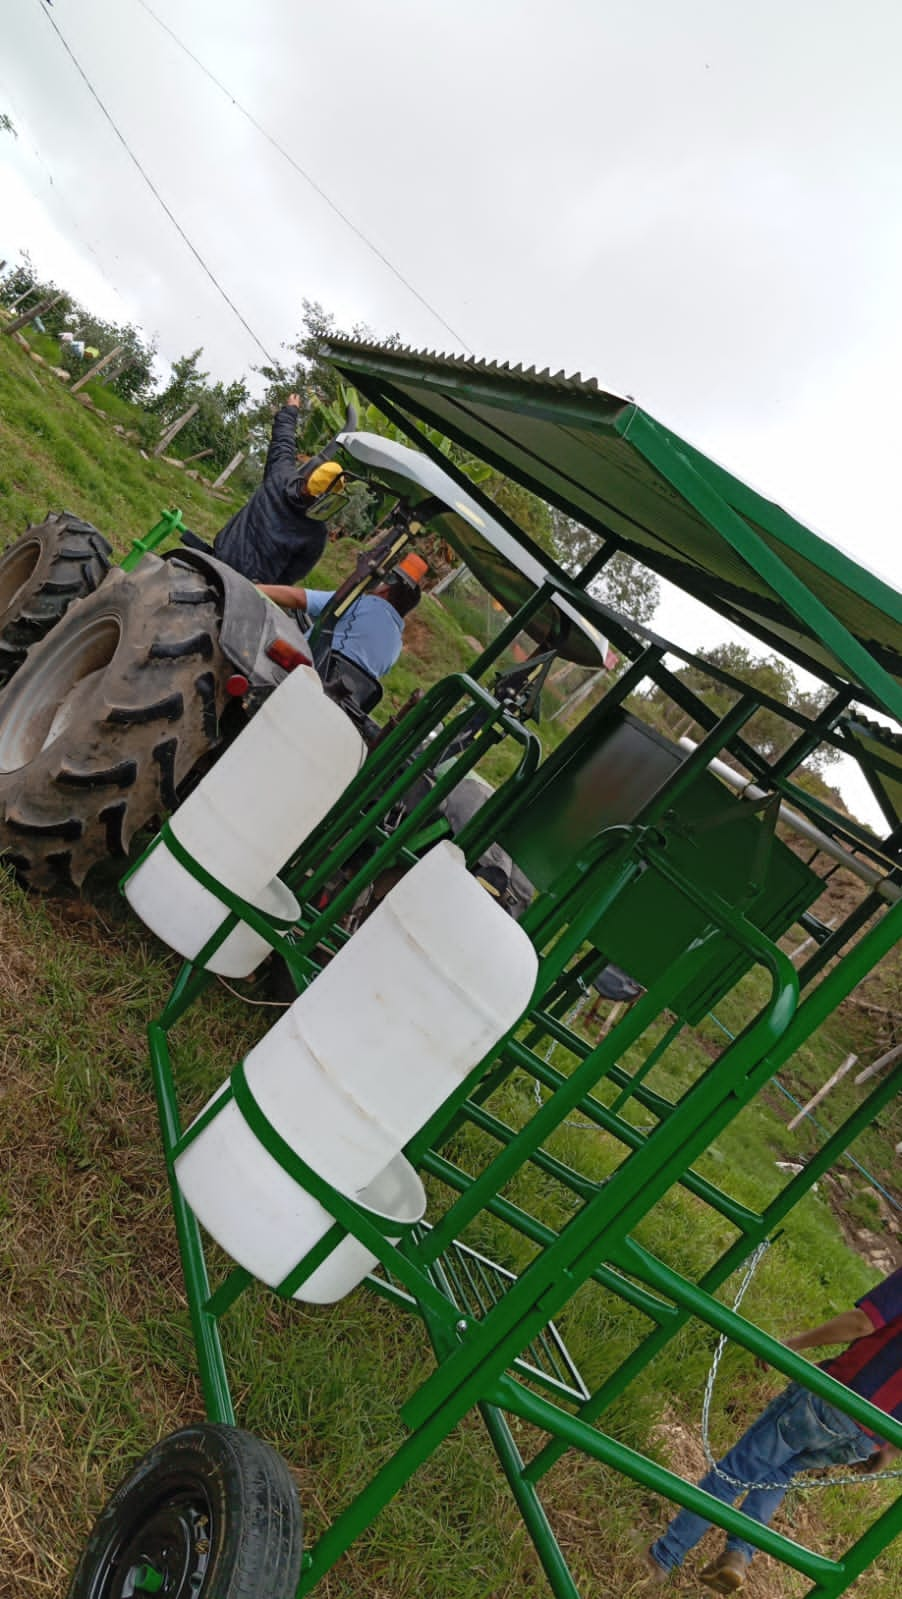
[{"x": 163, "y": 1544}]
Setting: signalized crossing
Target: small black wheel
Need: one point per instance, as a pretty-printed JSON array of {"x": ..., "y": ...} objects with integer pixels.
[
  {"x": 210, "y": 1513},
  {"x": 54, "y": 562}
]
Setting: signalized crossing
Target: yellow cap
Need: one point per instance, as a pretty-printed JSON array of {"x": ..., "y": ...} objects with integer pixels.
[{"x": 323, "y": 479}]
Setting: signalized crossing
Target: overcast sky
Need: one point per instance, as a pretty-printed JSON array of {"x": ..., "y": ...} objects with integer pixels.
[{"x": 695, "y": 202}]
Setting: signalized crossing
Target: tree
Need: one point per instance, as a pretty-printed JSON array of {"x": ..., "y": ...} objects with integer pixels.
[
  {"x": 223, "y": 415},
  {"x": 131, "y": 376},
  {"x": 769, "y": 733},
  {"x": 7, "y": 125},
  {"x": 624, "y": 583}
]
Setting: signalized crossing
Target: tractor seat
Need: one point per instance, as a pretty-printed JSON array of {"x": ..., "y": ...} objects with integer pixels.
[{"x": 346, "y": 680}]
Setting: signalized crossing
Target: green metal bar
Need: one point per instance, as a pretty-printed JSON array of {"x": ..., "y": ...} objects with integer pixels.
[
  {"x": 170, "y": 522},
  {"x": 518, "y": 622},
  {"x": 816, "y": 1006},
  {"x": 584, "y": 1187},
  {"x": 530, "y": 1506},
  {"x": 857, "y": 1559},
  {"x": 634, "y": 1258},
  {"x": 571, "y": 1431},
  {"x": 674, "y": 465},
  {"x": 732, "y": 1210},
  {"x": 214, "y": 1382},
  {"x": 650, "y": 1061},
  {"x": 522, "y": 1222},
  {"x": 225, "y": 1296}
]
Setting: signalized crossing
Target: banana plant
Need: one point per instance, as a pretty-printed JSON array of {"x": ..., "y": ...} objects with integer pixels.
[{"x": 327, "y": 418}]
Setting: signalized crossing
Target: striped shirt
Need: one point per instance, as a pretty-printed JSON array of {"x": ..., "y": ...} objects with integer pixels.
[{"x": 872, "y": 1365}]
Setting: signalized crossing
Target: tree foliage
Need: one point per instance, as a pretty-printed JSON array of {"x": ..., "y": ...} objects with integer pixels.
[
  {"x": 134, "y": 382},
  {"x": 220, "y": 424},
  {"x": 624, "y": 583},
  {"x": 769, "y": 733}
]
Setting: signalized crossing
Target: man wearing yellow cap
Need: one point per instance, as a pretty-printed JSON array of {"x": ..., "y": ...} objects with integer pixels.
[{"x": 280, "y": 534}]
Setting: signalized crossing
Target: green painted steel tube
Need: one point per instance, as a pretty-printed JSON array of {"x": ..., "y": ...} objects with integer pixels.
[
  {"x": 530, "y": 1506},
  {"x": 649, "y": 1269},
  {"x": 807, "y": 1019},
  {"x": 652, "y": 441},
  {"x": 522, "y": 1222},
  {"x": 214, "y": 1382},
  {"x": 512, "y": 1396},
  {"x": 170, "y": 522}
]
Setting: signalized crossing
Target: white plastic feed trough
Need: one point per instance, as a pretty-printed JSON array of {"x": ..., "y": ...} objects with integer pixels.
[
  {"x": 244, "y": 820},
  {"x": 382, "y": 1037}
]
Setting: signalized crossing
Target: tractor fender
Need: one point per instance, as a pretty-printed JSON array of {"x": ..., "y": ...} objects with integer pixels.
[{"x": 250, "y": 622}]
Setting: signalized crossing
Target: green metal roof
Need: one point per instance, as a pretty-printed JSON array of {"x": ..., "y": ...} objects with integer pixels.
[{"x": 611, "y": 466}]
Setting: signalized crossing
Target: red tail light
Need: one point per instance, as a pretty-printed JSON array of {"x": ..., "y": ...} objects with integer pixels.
[
  {"x": 286, "y": 655},
  {"x": 237, "y": 685}
]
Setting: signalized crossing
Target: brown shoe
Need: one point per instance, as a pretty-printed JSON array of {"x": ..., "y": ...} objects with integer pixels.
[
  {"x": 726, "y": 1573},
  {"x": 657, "y": 1573}
]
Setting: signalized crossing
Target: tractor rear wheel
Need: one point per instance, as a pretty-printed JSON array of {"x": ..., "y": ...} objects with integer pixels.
[
  {"x": 107, "y": 718},
  {"x": 52, "y": 564}
]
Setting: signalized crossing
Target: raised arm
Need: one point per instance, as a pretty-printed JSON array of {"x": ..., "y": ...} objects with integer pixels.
[{"x": 283, "y": 448}]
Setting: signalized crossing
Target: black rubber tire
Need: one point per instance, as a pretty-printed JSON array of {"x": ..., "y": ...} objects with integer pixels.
[
  {"x": 212, "y": 1509},
  {"x": 107, "y": 718},
  {"x": 52, "y": 564}
]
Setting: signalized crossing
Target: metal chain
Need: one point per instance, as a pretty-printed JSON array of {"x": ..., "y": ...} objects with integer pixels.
[{"x": 858, "y": 1480}]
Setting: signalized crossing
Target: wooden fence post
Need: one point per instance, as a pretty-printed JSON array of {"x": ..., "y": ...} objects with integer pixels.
[
  {"x": 28, "y": 316},
  {"x": 174, "y": 428},
  {"x": 879, "y": 1065},
  {"x": 118, "y": 369},
  {"x": 97, "y": 367},
  {"x": 235, "y": 462},
  {"x": 848, "y": 1063}
]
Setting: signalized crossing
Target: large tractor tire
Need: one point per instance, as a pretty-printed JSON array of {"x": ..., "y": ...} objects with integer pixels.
[
  {"x": 52, "y": 564},
  {"x": 106, "y": 719}
]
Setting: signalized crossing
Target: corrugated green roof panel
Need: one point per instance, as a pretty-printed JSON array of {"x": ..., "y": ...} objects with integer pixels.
[{"x": 611, "y": 466}]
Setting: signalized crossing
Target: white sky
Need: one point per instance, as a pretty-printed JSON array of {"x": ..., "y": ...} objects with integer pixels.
[{"x": 698, "y": 203}]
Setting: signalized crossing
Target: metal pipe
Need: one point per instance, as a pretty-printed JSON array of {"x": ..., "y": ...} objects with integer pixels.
[{"x": 891, "y": 892}]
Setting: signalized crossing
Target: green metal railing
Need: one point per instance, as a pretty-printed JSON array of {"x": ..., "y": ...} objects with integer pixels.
[{"x": 486, "y": 1341}]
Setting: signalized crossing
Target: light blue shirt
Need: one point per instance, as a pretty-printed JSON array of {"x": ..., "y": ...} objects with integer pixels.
[{"x": 370, "y": 632}]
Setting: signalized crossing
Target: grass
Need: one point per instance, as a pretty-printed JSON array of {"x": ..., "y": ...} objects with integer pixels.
[{"x": 96, "y": 1358}]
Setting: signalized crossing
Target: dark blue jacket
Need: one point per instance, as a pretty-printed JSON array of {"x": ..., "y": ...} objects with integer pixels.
[{"x": 270, "y": 540}]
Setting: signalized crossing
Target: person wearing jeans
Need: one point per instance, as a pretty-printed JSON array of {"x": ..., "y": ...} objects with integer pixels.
[{"x": 798, "y": 1432}]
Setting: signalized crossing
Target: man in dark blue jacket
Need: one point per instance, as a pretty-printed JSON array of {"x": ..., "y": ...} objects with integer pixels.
[{"x": 280, "y": 534}]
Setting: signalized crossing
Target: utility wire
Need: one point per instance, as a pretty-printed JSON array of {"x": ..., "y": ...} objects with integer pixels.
[
  {"x": 302, "y": 173},
  {"x": 152, "y": 186}
]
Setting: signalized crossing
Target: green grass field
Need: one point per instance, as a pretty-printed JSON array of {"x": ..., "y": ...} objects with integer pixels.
[{"x": 95, "y": 1350}]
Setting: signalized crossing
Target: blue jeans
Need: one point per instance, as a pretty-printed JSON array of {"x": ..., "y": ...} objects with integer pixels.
[{"x": 797, "y": 1432}]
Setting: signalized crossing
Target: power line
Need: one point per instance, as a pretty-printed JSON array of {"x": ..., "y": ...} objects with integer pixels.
[
  {"x": 302, "y": 173},
  {"x": 153, "y": 188}
]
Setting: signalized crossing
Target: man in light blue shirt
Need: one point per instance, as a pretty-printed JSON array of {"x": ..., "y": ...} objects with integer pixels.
[{"x": 371, "y": 631}]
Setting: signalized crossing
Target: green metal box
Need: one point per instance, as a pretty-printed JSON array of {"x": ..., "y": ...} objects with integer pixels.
[{"x": 714, "y": 838}]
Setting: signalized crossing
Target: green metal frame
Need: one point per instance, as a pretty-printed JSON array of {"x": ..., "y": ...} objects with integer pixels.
[
  {"x": 490, "y": 1339},
  {"x": 480, "y": 1360}
]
